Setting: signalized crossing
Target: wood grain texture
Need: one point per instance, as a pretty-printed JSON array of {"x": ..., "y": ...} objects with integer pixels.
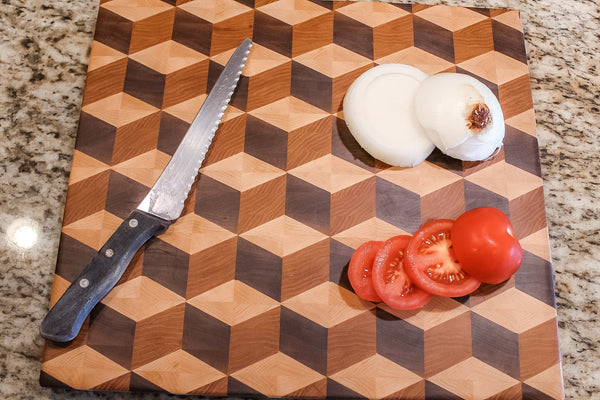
[{"x": 247, "y": 293}]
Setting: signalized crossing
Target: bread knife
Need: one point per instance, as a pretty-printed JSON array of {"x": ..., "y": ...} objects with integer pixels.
[{"x": 162, "y": 205}]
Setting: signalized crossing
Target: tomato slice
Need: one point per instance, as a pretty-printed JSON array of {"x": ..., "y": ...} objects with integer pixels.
[
  {"x": 359, "y": 270},
  {"x": 390, "y": 280},
  {"x": 431, "y": 264}
]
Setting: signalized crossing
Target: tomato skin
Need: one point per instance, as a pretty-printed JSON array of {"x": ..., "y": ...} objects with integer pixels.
[
  {"x": 485, "y": 244},
  {"x": 390, "y": 280},
  {"x": 360, "y": 270},
  {"x": 431, "y": 264}
]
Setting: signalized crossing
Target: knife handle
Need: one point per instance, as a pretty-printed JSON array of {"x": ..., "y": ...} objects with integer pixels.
[{"x": 64, "y": 320}]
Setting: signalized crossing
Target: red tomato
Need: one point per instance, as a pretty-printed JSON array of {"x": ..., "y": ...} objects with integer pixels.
[
  {"x": 486, "y": 245},
  {"x": 390, "y": 280},
  {"x": 431, "y": 264},
  {"x": 359, "y": 270}
]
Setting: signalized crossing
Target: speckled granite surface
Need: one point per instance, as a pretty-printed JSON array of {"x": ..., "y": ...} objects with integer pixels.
[{"x": 44, "y": 49}]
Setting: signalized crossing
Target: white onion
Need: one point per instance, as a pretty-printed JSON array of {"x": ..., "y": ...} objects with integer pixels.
[
  {"x": 445, "y": 106},
  {"x": 378, "y": 109}
]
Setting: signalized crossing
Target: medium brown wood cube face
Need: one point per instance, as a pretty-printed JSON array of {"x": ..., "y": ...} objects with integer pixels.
[
  {"x": 106, "y": 73},
  {"x": 150, "y": 31},
  {"x": 352, "y": 198},
  {"x": 473, "y": 41},
  {"x": 185, "y": 83},
  {"x": 393, "y": 36},
  {"x": 515, "y": 89},
  {"x": 230, "y": 140},
  {"x": 136, "y": 138},
  {"x": 105, "y": 87},
  {"x": 309, "y": 142},
  {"x": 230, "y": 33},
  {"x": 269, "y": 86},
  {"x": 268, "y": 197},
  {"x": 312, "y": 34}
]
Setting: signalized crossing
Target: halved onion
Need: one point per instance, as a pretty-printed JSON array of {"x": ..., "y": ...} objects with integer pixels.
[
  {"x": 378, "y": 109},
  {"x": 460, "y": 115}
]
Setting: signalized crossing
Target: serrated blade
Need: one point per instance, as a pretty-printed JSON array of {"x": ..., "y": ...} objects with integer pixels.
[{"x": 167, "y": 196}]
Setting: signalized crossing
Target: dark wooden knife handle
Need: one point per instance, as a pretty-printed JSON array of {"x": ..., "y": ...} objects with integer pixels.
[{"x": 64, "y": 320}]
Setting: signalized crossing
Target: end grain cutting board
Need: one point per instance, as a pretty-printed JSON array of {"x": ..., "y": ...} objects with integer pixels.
[{"x": 246, "y": 293}]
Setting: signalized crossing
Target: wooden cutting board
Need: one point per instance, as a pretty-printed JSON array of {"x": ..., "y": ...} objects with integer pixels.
[{"x": 246, "y": 294}]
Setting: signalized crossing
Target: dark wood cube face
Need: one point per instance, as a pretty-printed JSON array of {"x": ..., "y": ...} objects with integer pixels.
[
  {"x": 113, "y": 30},
  {"x": 186, "y": 22},
  {"x": 144, "y": 83},
  {"x": 312, "y": 86},
  {"x": 434, "y": 39},
  {"x": 247, "y": 293},
  {"x": 273, "y": 33}
]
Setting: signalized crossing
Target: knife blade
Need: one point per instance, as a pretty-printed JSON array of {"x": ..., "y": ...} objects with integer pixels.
[{"x": 161, "y": 206}]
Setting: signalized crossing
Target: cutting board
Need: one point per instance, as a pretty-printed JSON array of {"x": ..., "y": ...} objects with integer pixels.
[{"x": 247, "y": 294}]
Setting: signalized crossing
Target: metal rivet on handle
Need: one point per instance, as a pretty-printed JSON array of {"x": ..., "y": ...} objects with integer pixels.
[
  {"x": 84, "y": 283},
  {"x": 133, "y": 223},
  {"x": 109, "y": 253}
]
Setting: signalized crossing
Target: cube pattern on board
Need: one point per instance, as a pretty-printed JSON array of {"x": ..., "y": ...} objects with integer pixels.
[{"x": 246, "y": 293}]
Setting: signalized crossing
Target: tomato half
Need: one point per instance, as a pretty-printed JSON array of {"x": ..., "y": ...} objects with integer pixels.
[
  {"x": 390, "y": 280},
  {"x": 486, "y": 245},
  {"x": 359, "y": 270},
  {"x": 431, "y": 264}
]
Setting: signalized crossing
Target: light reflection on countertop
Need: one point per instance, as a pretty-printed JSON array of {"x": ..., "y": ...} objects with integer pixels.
[
  {"x": 23, "y": 233},
  {"x": 43, "y": 57}
]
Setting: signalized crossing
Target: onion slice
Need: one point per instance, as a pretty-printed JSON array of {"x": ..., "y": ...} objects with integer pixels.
[{"x": 379, "y": 112}]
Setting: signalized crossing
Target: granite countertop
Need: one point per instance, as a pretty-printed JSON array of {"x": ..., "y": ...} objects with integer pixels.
[{"x": 44, "y": 50}]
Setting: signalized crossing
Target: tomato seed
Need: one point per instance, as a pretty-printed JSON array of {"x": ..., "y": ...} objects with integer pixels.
[{"x": 437, "y": 273}]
